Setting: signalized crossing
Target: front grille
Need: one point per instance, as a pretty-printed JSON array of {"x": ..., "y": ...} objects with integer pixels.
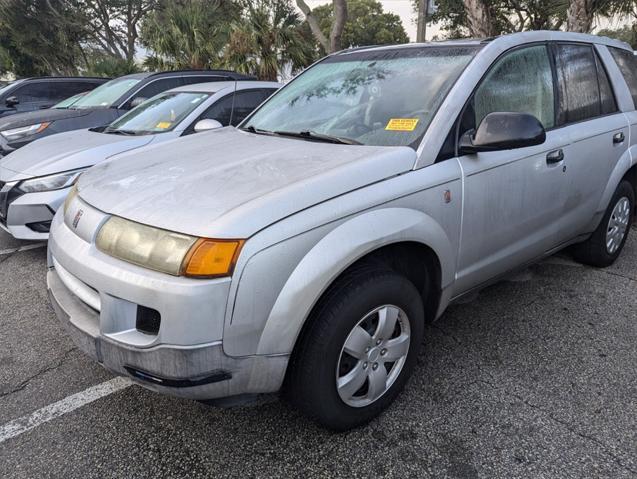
[{"x": 8, "y": 194}]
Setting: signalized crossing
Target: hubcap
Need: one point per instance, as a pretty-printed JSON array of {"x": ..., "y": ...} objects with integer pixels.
[
  {"x": 618, "y": 225},
  {"x": 373, "y": 355}
]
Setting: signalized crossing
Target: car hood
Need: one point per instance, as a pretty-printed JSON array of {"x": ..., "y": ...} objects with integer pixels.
[
  {"x": 230, "y": 184},
  {"x": 39, "y": 116},
  {"x": 66, "y": 151}
]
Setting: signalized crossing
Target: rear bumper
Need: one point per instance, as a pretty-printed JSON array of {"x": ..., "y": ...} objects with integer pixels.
[{"x": 201, "y": 371}]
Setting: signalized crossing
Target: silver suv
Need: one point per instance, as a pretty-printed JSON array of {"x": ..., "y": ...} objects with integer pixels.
[{"x": 304, "y": 250}]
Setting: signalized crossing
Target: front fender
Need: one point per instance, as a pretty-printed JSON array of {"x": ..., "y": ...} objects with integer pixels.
[{"x": 336, "y": 251}]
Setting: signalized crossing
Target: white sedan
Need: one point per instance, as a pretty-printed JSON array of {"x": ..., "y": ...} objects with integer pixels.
[{"x": 35, "y": 179}]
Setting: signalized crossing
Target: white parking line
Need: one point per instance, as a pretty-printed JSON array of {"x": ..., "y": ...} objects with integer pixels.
[
  {"x": 22, "y": 248},
  {"x": 71, "y": 403}
]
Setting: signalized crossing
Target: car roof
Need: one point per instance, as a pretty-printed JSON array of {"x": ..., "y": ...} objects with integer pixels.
[
  {"x": 513, "y": 38},
  {"x": 214, "y": 87},
  {"x": 58, "y": 78},
  {"x": 227, "y": 73}
]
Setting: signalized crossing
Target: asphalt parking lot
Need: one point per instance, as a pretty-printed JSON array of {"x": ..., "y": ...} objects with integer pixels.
[{"x": 535, "y": 377}]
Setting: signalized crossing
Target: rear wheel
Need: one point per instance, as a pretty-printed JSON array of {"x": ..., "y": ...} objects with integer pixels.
[
  {"x": 605, "y": 245},
  {"x": 359, "y": 349}
]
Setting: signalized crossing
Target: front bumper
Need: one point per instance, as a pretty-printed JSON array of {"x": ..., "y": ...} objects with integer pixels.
[
  {"x": 96, "y": 298},
  {"x": 27, "y": 216}
]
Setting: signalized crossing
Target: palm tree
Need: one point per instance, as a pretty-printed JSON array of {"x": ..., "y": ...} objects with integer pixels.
[
  {"x": 187, "y": 33},
  {"x": 267, "y": 39}
]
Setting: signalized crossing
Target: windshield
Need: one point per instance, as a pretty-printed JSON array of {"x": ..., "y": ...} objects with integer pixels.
[
  {"x": 383, "y": 97},
  {"x": 104, "y": 95},
  {"x": 69, "y": 101},
  {"x": 159, "y": 114}
]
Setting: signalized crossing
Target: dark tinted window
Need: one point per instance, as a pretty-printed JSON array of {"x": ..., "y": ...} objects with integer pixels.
[
  {"x": 628, "y": 65},
  {"x": 154, "y": 87},
  {"x": 63, "y": 90},
  {"x": 33, "y": 92},
  {"x": 579, "y": 97},
  {"x": 246, "y": 101},
  {"x": 522, "y": 82},
  {"x": 191, "y": 80},
  {"x": 609, "y": 105},
  {"x": 220, "y": 111}
]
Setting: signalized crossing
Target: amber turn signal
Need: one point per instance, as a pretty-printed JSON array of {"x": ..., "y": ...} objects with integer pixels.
[{"x": 210, "y": 258}]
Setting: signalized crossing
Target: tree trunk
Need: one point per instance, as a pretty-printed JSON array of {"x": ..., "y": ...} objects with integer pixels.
[
  {"x": 340, "y": 17},
  {"x": 314, "y": 26},
  {"x": 421, "y": 29},
  {"x": 579, "y": 16},
  {"x": 479, "y": 19}
]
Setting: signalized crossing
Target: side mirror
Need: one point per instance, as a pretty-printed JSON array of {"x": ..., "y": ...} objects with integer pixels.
[
  {"x": 207, "y": 124},
  {"x": 137, "y": 101},
  {"x": 12, "y": 101},
  {"x": 503, "y": 131}
]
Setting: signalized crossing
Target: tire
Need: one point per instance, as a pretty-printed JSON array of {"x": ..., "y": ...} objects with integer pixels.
[
  {"x": 311, "y": 383},
  {"x": 595, "y": 251}
]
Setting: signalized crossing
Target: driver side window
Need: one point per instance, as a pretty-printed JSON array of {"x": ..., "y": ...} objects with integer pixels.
[{"x": 520, "y": 82}]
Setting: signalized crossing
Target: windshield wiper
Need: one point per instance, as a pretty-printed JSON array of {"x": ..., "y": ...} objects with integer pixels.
[
  {"x": 311, "y": 135},
  {"x": 115, "y": 131},
  {"x": 258, "y": 131}
]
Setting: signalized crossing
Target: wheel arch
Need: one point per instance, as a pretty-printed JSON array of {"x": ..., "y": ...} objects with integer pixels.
[{"x": 389, "y": 236}]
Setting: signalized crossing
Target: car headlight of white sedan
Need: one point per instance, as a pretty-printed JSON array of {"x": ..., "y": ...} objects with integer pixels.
[
  {"x": 15, "y": 134},
  {"x": 56, "y": 181}
]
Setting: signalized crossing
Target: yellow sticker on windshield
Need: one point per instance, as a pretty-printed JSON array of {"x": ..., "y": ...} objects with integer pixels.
[
  {"x": 162, "y": 125},
  {"x": 402, "y": 124}
]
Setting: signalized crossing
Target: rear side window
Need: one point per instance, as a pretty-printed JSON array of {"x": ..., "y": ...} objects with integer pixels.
[
  {"x": 578, "y": 87},
  {"x": 193, "y": 79},
  {"x": 521, "y": 82},
  {"x": 628, "y": 66}
]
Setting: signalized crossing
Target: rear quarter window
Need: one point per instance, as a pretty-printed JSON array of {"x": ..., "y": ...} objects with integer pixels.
[{"x": 628, "y": 66}]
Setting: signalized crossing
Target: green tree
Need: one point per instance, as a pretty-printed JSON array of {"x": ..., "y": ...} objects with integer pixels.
[
  {"x": 38, "y": 41},
  {"x": 367, "y": 24},
  {"x": 626, "y": 34},
  {"x": 267, "y": 39},
  {"x": 188, "y": 33}
]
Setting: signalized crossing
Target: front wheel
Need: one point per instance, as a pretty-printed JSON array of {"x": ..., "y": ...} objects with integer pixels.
[
  {"x": 605, "y": 245},
  {"x": 359, "y": 349}
]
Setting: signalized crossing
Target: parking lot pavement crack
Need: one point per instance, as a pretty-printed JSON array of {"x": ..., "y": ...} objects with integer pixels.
[
  {"x": 619, "y": 275},
  {"x": 567, "y": 425},
  {"x": 41, "y": 372}
]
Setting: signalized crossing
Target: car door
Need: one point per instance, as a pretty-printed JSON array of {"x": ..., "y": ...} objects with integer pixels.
[
  {"x": 513, "y": 200},
  {"x": 597, "y": 132}
]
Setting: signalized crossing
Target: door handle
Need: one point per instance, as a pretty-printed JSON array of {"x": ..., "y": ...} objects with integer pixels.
[
  {"x": 555, "y": 157},
  {"x": 618, "y": 138}
]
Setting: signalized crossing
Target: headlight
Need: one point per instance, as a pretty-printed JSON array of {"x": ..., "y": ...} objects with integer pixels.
[
  {"x": 18, "y": 133},
  {"x": 51, "y": 182},
  {"x": 168, "y": 252},
  {"x": 69, "y": 198}
]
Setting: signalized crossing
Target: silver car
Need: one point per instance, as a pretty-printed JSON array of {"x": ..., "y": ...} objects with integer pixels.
[
  {"x": 35, "y": 179},
  {"x": 304, "y": 250}
]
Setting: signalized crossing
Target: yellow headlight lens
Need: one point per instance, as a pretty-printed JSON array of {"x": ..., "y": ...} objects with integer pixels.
[
  {"x": 166, "y": 251},
  {"x": 212, "y": 258},
  {"x": 70, "y": 197},
  {"x": 143, "y": 245}
]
